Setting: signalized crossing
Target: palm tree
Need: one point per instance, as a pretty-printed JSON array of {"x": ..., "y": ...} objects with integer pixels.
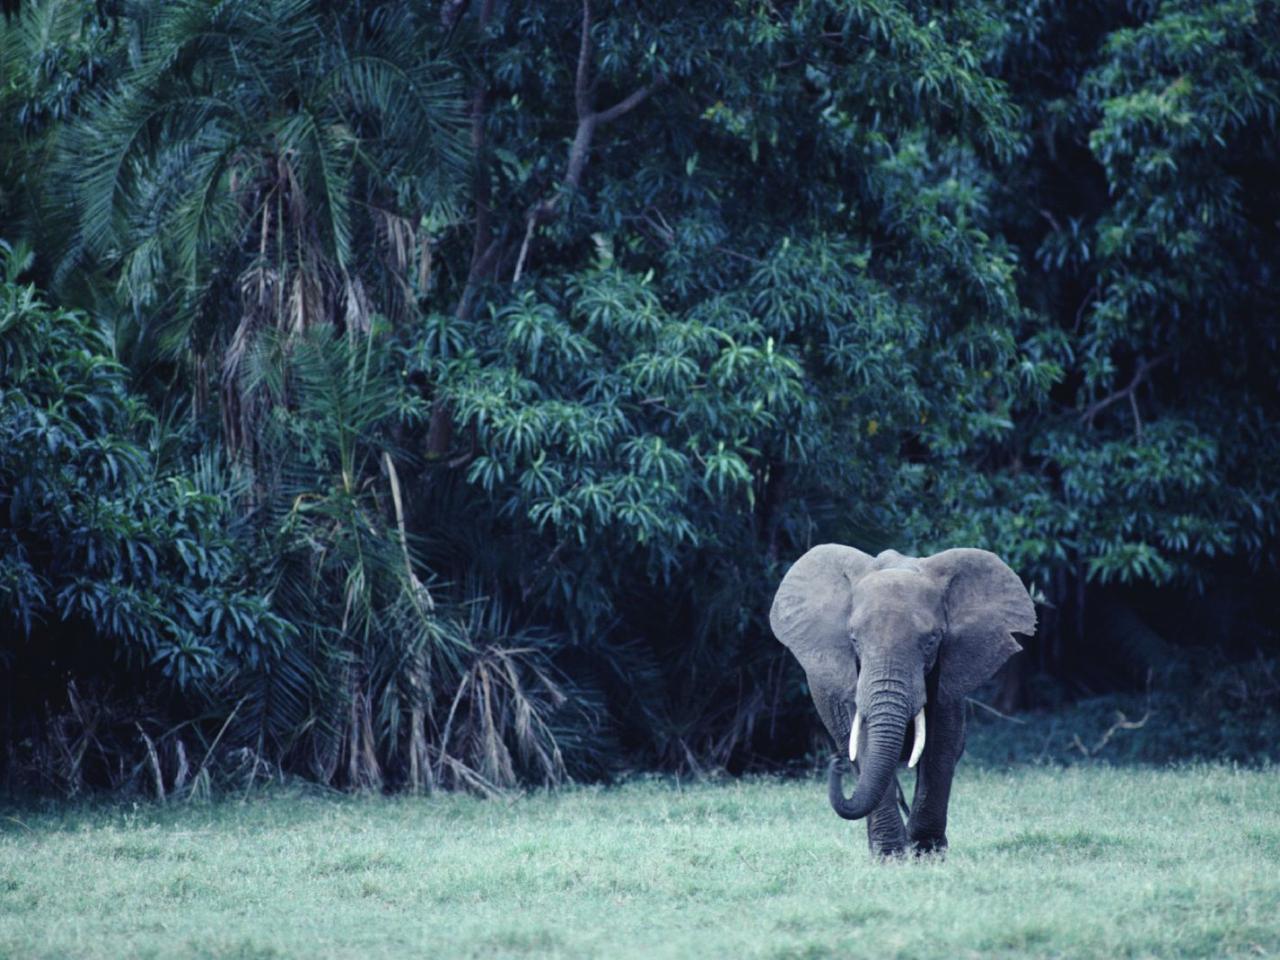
[
  {"x": 264, "y": 165},
  {"x": 256, "y": 184},
  {"x": 384, "y": 680}
]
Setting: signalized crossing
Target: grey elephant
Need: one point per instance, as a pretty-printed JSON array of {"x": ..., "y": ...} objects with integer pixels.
[{"x": 891, "y": 646}]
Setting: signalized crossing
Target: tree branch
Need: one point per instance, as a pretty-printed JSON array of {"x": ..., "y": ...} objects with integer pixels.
[
  {"x": 1140, "y": 374},
  {"x": 588, "y": 120},
  {"x": 627, "y": 104},
  {"x": 524, "y": 249},
  {"x": 664, "y": 234},
  {"x": 582, "y": 82},
  {"x": 1122, "y": 723},
  {"x": 991, "y": 709},
  {"x": 480, "y": 184},
  {"x": 451, "y": 11},
  {"x": 483, "y": 248},
  {"x": 577, "y": 162}
]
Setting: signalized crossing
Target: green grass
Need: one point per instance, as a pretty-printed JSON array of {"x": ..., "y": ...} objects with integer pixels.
[{"x": 1088, "y": 861}]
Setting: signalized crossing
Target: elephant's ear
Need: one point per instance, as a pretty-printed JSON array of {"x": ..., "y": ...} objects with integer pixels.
[
  {"x": 810, "y": 612},
  {"x": 984, "y": 602}
]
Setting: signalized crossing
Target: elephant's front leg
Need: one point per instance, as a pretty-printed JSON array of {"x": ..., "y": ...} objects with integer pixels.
[
  {"x": 885, "y": 835},
  {"x": 927, "y": 825}
]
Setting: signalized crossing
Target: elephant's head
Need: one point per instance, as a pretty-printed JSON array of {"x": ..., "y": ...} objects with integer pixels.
[{"x": 878, "y": 637}]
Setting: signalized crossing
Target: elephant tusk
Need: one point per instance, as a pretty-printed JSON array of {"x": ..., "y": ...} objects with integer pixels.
[
  {"x": 853, "y": 735},
  {"x": 917, "y": 741}
]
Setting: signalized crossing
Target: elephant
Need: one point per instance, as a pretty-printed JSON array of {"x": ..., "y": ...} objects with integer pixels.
[{"x": 891, "y": 646}]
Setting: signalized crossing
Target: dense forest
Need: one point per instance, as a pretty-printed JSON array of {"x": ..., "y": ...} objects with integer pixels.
[{"x": 418, "y": 395}]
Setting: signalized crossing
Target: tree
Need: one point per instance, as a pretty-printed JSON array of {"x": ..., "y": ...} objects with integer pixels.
[
  {"x": 1146, "y": 214},
  {"x": 261, "y": 167},
  {"x": 108, "y": 554},
  {"x": 707, "y": 340},
  {"x": 530, "y": 343}
]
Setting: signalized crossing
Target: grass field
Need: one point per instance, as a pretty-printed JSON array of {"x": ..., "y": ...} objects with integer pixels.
[{"x": 1088, "y": 861}]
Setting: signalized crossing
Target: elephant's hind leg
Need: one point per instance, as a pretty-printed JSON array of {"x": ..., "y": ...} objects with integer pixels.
[{"x": 886, "y": 835}]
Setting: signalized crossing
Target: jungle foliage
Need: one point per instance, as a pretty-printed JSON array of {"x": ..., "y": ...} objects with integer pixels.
[{"x": 423, "y": 395}]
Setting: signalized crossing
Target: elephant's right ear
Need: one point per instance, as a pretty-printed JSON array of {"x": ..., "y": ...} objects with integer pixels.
[{"x": 810, "y": 612}]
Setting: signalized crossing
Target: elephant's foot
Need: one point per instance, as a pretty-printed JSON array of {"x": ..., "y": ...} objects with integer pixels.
[
  {"x": 929, "y": 846},
  {"x": 884, "y": 853},
  {"x": 886, "y": 836}
]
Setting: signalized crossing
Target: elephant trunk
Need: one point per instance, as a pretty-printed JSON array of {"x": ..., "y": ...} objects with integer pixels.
[{"x": 885, "y": 732}]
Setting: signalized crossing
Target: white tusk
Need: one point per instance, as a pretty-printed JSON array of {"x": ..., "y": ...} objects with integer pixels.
[
  {"x": 853, "y": 735},
  {"x": 917, "y": 742}
]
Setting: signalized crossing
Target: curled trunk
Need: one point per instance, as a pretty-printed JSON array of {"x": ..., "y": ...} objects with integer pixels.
[{"x": 885, "y": 732}]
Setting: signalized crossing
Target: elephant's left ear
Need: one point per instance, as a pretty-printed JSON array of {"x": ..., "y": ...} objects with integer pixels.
[{"x": 984, "y": 602}]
